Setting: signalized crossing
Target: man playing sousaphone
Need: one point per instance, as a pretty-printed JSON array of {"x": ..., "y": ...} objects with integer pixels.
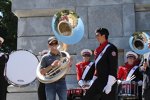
[
  {"x": 49, "y": 61},
  {"x": 84, "y": 69}
]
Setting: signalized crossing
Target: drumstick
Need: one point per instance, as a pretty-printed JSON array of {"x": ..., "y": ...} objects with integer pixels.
[
  {"x": 132, "y": 78},
  {"x": 128, "y": 78}
]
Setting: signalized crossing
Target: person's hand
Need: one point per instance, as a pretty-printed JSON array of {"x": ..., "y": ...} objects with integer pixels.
[
  {"x": 140, "y": 83},
  {"x": 55, "y": 63},
  {"x": 85, "y": 87},
  {"x": 1, "y": 54},
  {"x": 81, "y": 83},
  {"x": 43, "y": 71},
  {"x": 107, "y": 89},
  {"x": 119, "y": 82},
  {"x": 110, "y": 82},
  {"x": 70, "y": 61}
]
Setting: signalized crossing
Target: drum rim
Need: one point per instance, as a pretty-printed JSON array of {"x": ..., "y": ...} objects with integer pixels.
[
  {"x": 125, "y": 95},
  {"x": 25, "y": 50},
  {"x": 13, "y": 83}
]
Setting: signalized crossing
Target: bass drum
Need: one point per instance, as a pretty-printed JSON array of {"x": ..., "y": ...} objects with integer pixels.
[{"x": 21, "y": 68}]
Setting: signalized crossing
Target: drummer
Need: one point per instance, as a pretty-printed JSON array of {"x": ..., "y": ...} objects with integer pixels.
[
  {"x": 84, "y": 70},
  {"x": 130, "y": 71},
  {"x": 3, "y": 61}
]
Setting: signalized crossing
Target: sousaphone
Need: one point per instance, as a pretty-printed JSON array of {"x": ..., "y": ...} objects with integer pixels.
[
  {"x": 139, "y": 42},
  {"x": 68, "y": 29}
]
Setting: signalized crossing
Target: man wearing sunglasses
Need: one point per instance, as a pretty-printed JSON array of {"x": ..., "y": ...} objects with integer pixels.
[
  {"x": 51, "y": 59},
  {"x": 84, "y": 70}
]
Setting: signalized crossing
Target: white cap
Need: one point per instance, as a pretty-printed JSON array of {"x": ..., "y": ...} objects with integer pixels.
[
  {"x": 86, "y": 52},
  {"x": 131, "y": 54}
]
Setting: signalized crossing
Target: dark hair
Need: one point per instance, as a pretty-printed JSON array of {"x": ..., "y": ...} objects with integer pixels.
[{"x": 102, "y": 31}]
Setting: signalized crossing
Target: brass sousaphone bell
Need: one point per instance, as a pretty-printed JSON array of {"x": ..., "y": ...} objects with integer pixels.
[
  {"x": 139, "y": 42},
  {"x": 68, "y": 29}
]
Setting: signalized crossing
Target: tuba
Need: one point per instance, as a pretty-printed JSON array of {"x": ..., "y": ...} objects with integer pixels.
[
  {"x": 139, "y": 42},
  {"x": 68, "y": 28},
  {"x": 57, "y": 72}
]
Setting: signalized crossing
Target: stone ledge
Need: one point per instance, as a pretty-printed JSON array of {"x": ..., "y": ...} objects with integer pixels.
[
  {"x": 38, "y": 12},
  {"x": 12, "y": 88},
  {"x": 142, "y": 7}
]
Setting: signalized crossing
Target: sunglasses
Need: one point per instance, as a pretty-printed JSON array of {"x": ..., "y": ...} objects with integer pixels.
[
  {"x": 131, "y": 57},
  {"x": 86, "y": 55},
  {"x": 53, "y": 43},
  {"x": 97, "y": 34}
]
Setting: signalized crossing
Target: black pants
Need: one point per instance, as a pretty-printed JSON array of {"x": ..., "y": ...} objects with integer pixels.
[
  {"x": 41, "y": 92},
  {"x": 3, "y": 89},
  {"x": 95, "y": 93},
  {"x": 146, "y": 94}
]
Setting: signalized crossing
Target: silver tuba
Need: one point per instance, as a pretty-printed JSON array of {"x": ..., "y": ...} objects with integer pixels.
[
  {"x": 139, "y": 42},
  {"x": 57, "y": 72},
  {"x": 68, "y": 29}
]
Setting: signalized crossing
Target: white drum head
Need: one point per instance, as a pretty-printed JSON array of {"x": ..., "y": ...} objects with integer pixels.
[{"x": 21, "y": 67}]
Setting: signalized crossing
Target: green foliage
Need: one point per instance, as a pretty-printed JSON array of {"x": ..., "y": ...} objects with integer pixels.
[{"x": 8, "y": 26}]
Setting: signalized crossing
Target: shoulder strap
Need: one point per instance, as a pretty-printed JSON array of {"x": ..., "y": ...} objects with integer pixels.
[
  {"x": 87, "y": 69},
  {"x": 101, "y": 54},
  {"x": 131, "y": 72}
]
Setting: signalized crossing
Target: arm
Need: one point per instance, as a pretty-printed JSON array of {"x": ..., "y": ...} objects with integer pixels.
[
  {"x": 4, "y": 57},
  {"x": 120, "y": 73},
  {"x": 113, "y": 63},
  {"x": 78, "y": 71},
  {"x": 45, "y": 68},
  {"x": 79, "y": 74}
]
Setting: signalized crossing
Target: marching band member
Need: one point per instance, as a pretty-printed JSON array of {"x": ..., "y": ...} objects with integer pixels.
[
  {"x": 145, "y": 69},
  {"x": 84, "y": 70},
  {"x": 3, "y": 83},
  {"x": 130, "y": 69},
  {"x": 106, "y": 62},
  {"x": 49, "y": 60}
]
